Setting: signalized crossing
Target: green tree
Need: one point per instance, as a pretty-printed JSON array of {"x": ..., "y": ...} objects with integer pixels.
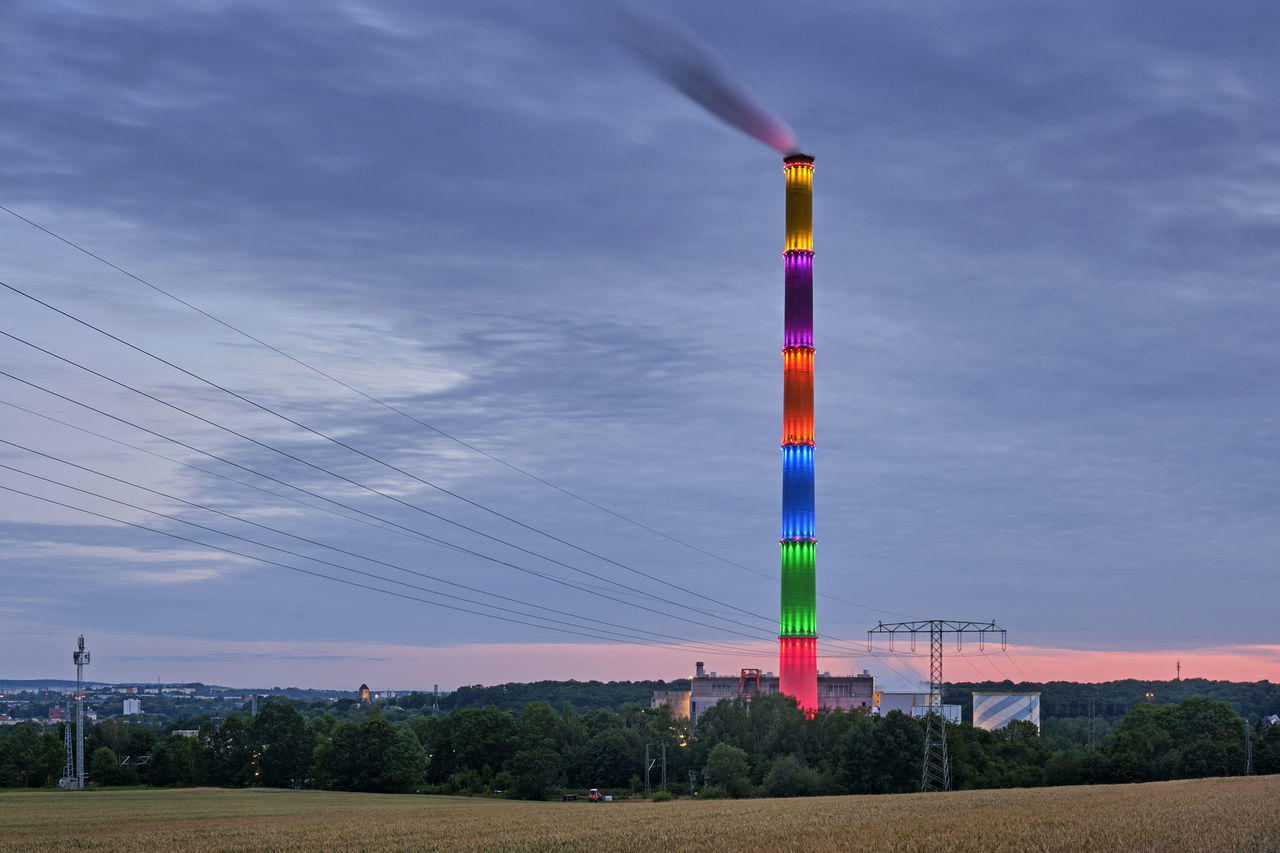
[
  {"x": 539, "y": 725},
  {"x": 372, "y": 756},
  {"x": 175, "y": 762},
  {"x": 30, "y": 758},
  {"x": 821, "y": 743},
  {"x": 337, "y": 758},
  {"x": 111, "y": 733},
  {"x": 727, "y": 767},
  {"x": 227, "y": 752},
  {"x": 724, "y": 722},
  {"x": 1210, "y": 736},
  {"x": 1197, "y": 737},
  {"x": 375, "y": 744},
  {"x": 105, "y": 769},
  {"x": 573, "y": 741},
  {"x": 142, "y": 741},
  {"x": 884, "y": 757},
  {"x": 285, "y": 745},
  {"x": 480, "y": 736},
  {"x": 536, "y": 773},
  {"x": 1142, "y": 748},
  {"x": 660, "y": 729},
  {"x": 776, "y": 727},
  {"x": 405, "y": 763},
  {"x": 788, "y": 776},
  {"x": 851, "y": 754},
  {"x": 1018, "y": 756},
  {"x": 503, "y": 782},
  {"x": 611, "y": 757},
  {"x": 1266, "y": 749},
  {"x": 600, "y": 720}
]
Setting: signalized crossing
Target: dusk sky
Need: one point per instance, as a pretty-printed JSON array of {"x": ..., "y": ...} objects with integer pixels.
[{"x": 549, "y": 288}]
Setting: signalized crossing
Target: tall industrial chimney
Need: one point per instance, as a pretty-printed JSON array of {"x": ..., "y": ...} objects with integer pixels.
[{"x": 798, "y": 633}]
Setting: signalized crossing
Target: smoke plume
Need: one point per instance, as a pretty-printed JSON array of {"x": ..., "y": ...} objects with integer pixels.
[{"x": 678, "y": 57}]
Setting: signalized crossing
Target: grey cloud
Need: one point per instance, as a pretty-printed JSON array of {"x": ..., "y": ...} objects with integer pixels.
[{"x": 1045, "y": 255}]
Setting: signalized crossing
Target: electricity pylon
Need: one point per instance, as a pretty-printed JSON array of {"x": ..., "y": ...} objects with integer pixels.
[{"x": 936, "y": 774}]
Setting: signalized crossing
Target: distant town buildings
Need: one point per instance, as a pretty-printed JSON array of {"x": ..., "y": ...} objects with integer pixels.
[{"x": 45, "y": 702}]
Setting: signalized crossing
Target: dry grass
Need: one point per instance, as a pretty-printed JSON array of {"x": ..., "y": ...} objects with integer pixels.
[{"x": 1212, "y": 814}]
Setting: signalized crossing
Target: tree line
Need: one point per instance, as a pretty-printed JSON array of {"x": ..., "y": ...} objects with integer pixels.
[
  {"x": 583, "y": 695},
  {"x": 769, "y": 748}
]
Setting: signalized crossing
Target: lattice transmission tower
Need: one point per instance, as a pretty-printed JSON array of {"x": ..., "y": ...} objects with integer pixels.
[
  {"x": 936, "y": 774},
  {"x": 68, "y": 745},
  {"x": 81, "y": 658}
]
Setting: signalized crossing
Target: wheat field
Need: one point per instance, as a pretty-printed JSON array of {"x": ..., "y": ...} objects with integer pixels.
[{"x": 1239, "y": 814}]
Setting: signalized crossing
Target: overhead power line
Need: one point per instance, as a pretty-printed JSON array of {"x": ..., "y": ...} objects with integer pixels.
[
  {"x": 280, "y": 532},
  {"x": 167, "y": 496},
  {"x": 610, "y": 636},
  {"x": 412, "y": 418},
  {"x": 364, "y": 486},
  {"x": 653, "y": 639},
  {"x": 419, "y": 534},
  {"x": 284, "y": 496},
  {"x": 321, "y": 575},
  {"x": 350, "y": 448}
]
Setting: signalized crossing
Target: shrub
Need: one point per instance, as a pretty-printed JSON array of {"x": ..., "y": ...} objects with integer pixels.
[
  {"x": 504, "y": 782},
  {"x": 662, "y": 796},
  {"x": 467, "y": 782},
  {"x": 727, "y": 765},
  {"x": 788, "y": 777}
]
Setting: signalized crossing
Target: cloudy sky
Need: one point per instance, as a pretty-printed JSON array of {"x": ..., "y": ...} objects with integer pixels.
[{"x": 465, "y": 298}]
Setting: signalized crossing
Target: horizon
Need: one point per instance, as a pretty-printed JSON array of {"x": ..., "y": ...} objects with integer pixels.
[{"x": 1249, "y": 664}]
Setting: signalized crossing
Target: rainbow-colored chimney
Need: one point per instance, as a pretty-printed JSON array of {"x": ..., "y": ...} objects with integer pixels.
[{"x": 798, "y": 633}]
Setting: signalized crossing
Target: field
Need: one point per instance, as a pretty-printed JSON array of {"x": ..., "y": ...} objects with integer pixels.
[{"x": 1210, "y": 814}]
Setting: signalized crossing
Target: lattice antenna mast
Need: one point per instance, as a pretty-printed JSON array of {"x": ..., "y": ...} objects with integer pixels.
[
  {"x": 69, "y": 766},
  {"x": 81, "y": 657},
  {"x": 936, "y": 774}
]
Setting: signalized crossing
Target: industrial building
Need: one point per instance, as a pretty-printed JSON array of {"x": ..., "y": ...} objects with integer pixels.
[
  {"x": 677, "y": 699},
  {"x": 916, "y": 705},
  {"x": 993, "y": 711},
  {"x": 835, "y": 692}
]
